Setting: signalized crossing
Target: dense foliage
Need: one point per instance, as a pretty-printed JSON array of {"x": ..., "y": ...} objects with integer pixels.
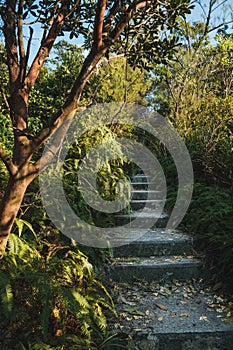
[
  {"x": 195, "y": 93},
  {"x": 49, "y": 294}
]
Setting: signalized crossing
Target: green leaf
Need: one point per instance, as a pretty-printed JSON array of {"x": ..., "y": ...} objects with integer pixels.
[{"x": 21, "y": 223}]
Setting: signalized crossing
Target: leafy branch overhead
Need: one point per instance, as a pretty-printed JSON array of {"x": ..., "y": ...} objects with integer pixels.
[{"x": 101, "y": 24}]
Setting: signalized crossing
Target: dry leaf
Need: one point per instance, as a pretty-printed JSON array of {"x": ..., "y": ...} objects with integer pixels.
[
  {"x": 213, "y": 305},
  {"x": 58, "y": 333},
  {"x": 219, "y": 310},
  {"x": 185, "y": 315},
  {"x": 162, "y": 307},
  {"x": 227, "y": 319},
  {"x": 160, "y": 319},
  {"x": 136, "y": 317},
  {"x": 204, "y": 318}
]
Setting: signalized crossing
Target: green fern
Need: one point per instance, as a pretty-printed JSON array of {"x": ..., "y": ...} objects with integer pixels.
[
  {"x": 20, "y": 223},
  {"x": 62, "y": 290},
  {"x": 19, "y": 247}
]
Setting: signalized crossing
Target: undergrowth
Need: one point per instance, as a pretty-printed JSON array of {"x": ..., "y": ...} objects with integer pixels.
[
  {"x": 209, "y": 220},
  {"x": 51, "y": 299}
]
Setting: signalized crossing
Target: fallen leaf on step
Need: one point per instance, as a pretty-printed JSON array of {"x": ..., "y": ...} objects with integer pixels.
[
  {"x": 136, "y": 317},
  {"x": 213, "y": 305},
  {"x": 227, "y": 319},
  {"x": 204, "y": 318},
  {"x": 184, "y": 314},
  {"x": 219, "y": 310},
  {"x": 165, "y": 291},
  {"x": 162, "y": 307}
]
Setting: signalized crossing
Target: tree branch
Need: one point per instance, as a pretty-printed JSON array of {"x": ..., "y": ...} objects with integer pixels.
[
  {"x": 28, "y": 51},
  {"x": 7, "y": 161},
  {"x": 111, "y": 15},
  {"x": 20, "y": 41},
  {"x": 47, "y": 44},
  {"x": 71, "y": 105},
  {"x": 99, "y": 22},
  {"x": 129, "y": 13},
  {"x": 9, "y": 30},
  {"x": 208, "y": 18},
  {"x": 219, "y": 26},
  {"x": 5, "y": 99}
]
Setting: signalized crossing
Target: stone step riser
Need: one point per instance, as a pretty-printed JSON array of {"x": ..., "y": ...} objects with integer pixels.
[
  {"x": 142, "y": 222},
  {"x": 145, "y": 186},
  {"x": 153, "y": 248},
  {"x": 182, "y": 341},
  {"x": 141, "y": 178},
  {"x": 144, "y": 195},
  {"x": 155, "y": 272},
  {"x": 141, "y": 185},
  {"x": 140, "y": 204}
]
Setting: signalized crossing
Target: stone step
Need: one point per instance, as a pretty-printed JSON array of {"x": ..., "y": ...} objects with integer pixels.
[
  {"x": 144, "y": 194},
  {"x": 141, "y": 185},
  {"x": 156, "y": 243},
  {"x": 154, "y": 204},
  {"x": 154, "y": 268},
  {"x": 190, "y": 317},
  {"x": 141, "y": 178},
  {"x": 146, "y": 219}
]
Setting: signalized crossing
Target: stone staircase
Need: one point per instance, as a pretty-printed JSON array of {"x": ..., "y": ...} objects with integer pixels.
[
  {"x": 186, "y": 317},
  {"x": 157, "y": 253}
]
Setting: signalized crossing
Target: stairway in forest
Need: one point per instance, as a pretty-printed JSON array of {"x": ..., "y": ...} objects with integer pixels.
[{"x": 161, "y": 300}]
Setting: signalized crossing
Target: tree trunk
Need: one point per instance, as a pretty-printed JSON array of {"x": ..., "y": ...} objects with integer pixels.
[{"x": 11, "y": 203}]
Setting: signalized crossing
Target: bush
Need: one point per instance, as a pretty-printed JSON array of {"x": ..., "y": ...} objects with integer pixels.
[{"x": 210, "y": 219}]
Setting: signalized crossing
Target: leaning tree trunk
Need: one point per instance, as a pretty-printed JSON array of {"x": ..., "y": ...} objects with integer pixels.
[
  {"x": 19, "y": 166},
  {"x": 10, "y": 205}
]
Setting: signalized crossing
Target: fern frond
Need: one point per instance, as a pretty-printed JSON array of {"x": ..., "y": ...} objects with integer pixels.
[
  {"x": 20, "y": 223},
  {"x": 80, "y": 299},
  {"x": 19, "y": 246}
]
